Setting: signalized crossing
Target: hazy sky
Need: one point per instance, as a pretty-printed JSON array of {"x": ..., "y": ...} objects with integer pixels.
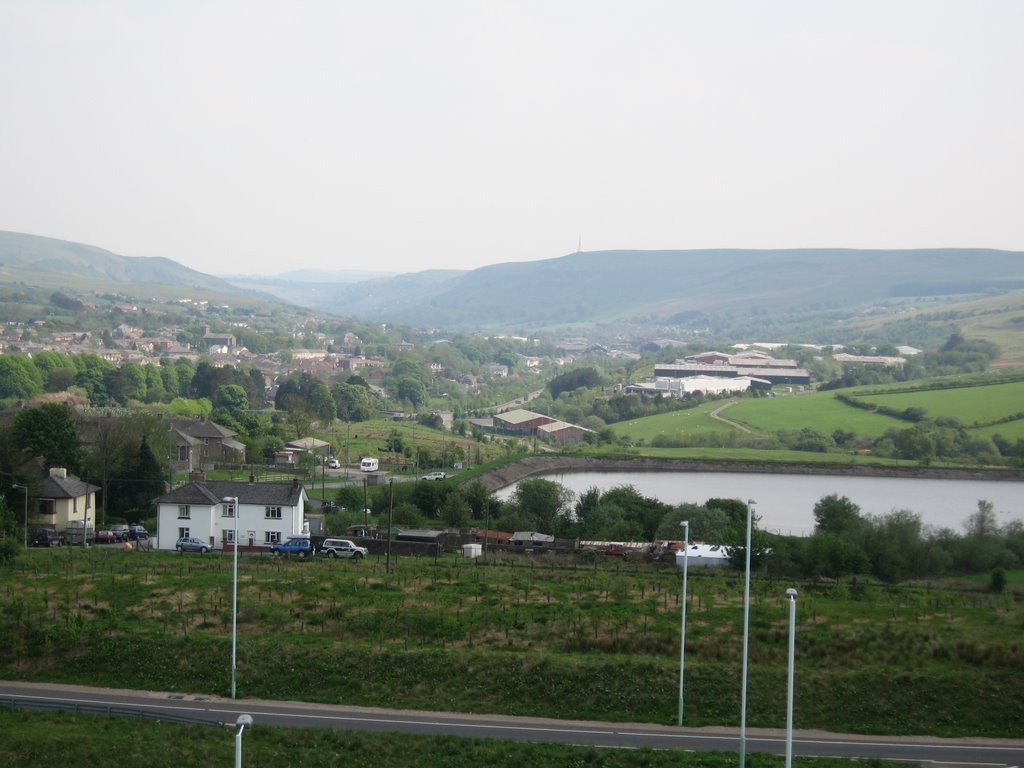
[{"x": 404, "y": 135}]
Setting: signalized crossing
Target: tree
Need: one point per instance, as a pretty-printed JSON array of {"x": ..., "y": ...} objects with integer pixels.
[
  {"x": 455, "y": 510},
  {"x": 232, "y": 398},
  {"x": 105, "y": 457},
  {"x": 541, "y": 502},
  {"x": 19, "y": 377},
  {"x": 837, "y": 515},
  {"x": 411, "y": 390},
  {"x": 574, "y": 379},
  {"x": 49, "y": 430},
  {"x": 354, "y": 402}
]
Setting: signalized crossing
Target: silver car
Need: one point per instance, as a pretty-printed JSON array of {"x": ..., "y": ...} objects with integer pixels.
[{"x": 192, "y": 545}]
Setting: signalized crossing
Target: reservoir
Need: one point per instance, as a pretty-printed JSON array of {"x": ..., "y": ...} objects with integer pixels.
[{"x": 785, "y": 503}]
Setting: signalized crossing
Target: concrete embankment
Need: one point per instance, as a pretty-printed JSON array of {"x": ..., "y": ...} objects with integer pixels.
[{"x": 533, "y": 466}]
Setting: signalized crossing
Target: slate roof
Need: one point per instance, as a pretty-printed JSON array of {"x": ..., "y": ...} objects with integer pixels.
[
  {"x": 210, "y": 492},
  {"x": 202, "y": 428},
  {"x": 69, "y": 487}
]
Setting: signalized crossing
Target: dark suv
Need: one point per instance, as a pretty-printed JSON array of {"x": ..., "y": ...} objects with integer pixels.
[
  {"x": 46, "y": 537},
  {"x": 137, "y": 533}
]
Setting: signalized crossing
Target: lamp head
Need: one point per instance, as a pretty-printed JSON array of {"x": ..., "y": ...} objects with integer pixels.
[
  {"x": 751, "y": 502},
  {"x": 243, "y": 720},
  {"x": 684, "y": 524},
  {"x": 791, "y": 593}
]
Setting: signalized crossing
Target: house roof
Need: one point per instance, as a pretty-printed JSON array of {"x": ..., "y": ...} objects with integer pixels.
[
  {"x": 210, "y": 492},
  {"x": 202, "y": 428},
  {"x": 69, "y": 487}
]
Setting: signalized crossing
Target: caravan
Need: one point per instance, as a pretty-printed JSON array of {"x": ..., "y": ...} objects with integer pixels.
[{"x": 369, "y": 465}]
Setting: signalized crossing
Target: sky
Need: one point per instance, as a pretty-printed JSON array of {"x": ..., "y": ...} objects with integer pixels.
[{"x": 402, "y": 135}]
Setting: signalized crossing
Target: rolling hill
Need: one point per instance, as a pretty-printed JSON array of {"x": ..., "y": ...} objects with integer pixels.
[
  {"x": 670, "y": 286},
  {"x": 685, "y": 288}
]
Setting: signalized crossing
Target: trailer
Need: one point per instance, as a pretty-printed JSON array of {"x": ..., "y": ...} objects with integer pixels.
[{"x": 369, "y": 464}]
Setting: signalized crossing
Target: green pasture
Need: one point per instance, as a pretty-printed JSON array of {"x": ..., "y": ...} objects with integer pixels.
[
  {"x": 677, "y": 424},
  {"x": 820, "y": 411},
  {"x": 1011, "y": 430},
  {"x": 979, "y": 404},
  {"x": 550, "y": 636}
]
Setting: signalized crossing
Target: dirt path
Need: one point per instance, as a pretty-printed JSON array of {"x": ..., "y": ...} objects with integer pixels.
[{"x": 716, "y": 415}]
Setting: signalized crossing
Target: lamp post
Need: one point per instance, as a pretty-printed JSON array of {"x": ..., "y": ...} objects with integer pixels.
[
  {"x": 791, "y": 594},
  {"x": 682, "y": 622},
  {"x": 746, "y": 638},
  {"x": 233, "y": 501},
  {"x": 241, "y": 722},
  {"x": 25, "y": 489}
]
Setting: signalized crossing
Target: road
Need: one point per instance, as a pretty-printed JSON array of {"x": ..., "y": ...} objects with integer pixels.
[{"x": 213, "y": 710}]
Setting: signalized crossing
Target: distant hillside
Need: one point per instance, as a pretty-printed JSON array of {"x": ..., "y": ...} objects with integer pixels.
[
  {"x": 736, "y": 292},
  {"x": 28, "y": 257},
  {"x": 663, "y": 286}
]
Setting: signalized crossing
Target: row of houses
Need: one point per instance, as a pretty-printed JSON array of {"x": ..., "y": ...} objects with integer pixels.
[{"x": 264, "y": 514}]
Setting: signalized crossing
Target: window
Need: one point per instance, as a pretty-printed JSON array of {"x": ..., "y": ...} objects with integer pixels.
[
  {"x": 184, "y": 533},
  {"x": 184, "y": 512},
  {"x": 271, "y": 537},
  {"x": 229, "y": 536},
  {"x": 227, "y": 510},
  {"x": 273, "y": 513}
]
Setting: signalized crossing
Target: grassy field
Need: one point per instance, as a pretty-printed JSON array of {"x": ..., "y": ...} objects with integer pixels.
[
  {"x": 513, "y": 635},
  {"x": 976, "y": 407},
  {"x": 675, "y": 424},
  {"x": 820, "y": 411},
  {"x": 970, "y": 405},
  {"x": 52, "y": 740}
]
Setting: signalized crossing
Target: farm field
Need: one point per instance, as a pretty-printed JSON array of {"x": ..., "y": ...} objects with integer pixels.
[
  {"x": 552, "y": 636},
  {"x": 980, "y": 404},
  {"x": 676, "y": 424},
  {"x": 820, "y": 411}
]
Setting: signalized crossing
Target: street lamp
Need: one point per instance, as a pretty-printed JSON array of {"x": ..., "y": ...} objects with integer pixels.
[
  {"x": 746, "y": 638},
  {"x": 791, "y": 594},
  {"x": 682, "y": 622},
  {"x": 233, "y": 501},
  {"x": 241, "y": 722},
  {"x": 25, "y": 489}
]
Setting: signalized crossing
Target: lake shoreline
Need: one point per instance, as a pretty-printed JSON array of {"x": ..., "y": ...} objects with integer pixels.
[{"x": 533, "y": 466}]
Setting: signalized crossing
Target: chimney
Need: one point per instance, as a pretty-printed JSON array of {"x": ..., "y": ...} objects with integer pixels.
[
  {"x": 295, "y": 482},
  {"x": 196, "y": 475},
  {"x": 58, "y": 472}
]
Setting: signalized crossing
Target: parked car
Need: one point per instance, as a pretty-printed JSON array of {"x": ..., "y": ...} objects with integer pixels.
[
  {"x": 191, "y": 545},
  {"x": 343, "y": 548},
  {"x": 299, "y": 546},
  {"x": 137, "y": 532},
  {"x": 47, "y": 537},
  {"x": 106, "y": 537},
  {"x": 434, "y": 476},
  {"x": 333, "y": 463},
  {"x": 120, "y": 530}
]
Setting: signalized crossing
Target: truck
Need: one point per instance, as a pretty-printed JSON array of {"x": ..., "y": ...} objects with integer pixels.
[
  {"x": 300, "y": 546},
  {"x": 369, "y": 464}
]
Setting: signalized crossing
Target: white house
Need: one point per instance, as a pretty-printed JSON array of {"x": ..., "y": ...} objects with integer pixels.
[{"x": 268, "y": 513}]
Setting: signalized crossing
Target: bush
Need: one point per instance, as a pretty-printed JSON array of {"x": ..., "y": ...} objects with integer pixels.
[{"x": 9, "y": 549}]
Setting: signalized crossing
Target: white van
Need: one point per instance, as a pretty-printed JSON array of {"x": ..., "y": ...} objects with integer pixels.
[{"x": 369, "y": 465}]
